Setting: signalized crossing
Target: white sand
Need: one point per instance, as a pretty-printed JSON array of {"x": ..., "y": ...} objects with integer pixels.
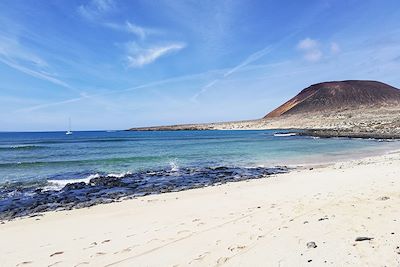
[{"x": 265, "y": 222}]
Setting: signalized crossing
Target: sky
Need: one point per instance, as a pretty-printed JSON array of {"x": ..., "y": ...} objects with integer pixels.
[{"x": 109, "y": 64}]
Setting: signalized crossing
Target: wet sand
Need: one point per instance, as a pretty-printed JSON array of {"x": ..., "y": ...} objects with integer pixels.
[{"x": 267, "y": 222}]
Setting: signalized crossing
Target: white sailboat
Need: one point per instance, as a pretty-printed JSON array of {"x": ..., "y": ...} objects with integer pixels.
[{"x": 69, "y": 127}]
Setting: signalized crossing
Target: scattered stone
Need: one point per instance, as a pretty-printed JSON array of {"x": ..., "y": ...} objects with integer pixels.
[
  {"x": 363, "y": 238},
  {"x": 311, "y": 245},
  {"x": 383, "y": 198},
  {"x": 305, "y": 222},
  {"x": 309, "y": 261},
  {"x": 322, "y": 219}
]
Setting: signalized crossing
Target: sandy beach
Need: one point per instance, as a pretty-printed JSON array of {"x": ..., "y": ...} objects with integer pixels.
[{"x": 266, "y": 222}]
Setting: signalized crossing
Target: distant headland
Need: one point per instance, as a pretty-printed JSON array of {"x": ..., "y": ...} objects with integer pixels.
[{"x": 352, "y": 108}]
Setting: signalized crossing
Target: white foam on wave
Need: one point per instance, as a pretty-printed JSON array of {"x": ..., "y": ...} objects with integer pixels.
[
  {"x": 119, "y": 175},
  {"x": 59, "y": 184},
  {"x": 174, "y": 166},
  {"x": 284, "y": 134}
]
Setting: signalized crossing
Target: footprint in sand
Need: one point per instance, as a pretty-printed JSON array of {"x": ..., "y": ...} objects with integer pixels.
[
  {"x": 54, "y": 264},
  {"x": 82, "y": 263},
  {"x": 183, "y": 231},
  {"x": 92, "y": 245},
  {"x": 125, "y": 250},
  {"x": 200, "y": 257},
  {"x": 236, "y": 248},
  {"x": 98, "y": 254},
  {"x": 24, "y": 263},
  {"x": 222, "y": 260}
]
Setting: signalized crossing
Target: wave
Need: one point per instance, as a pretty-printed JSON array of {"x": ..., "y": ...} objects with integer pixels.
[
  {"x": 57, "y": 185},
  {"x": 80, "y": 162},
  {"x": 21, "y": 147},
  {"x": 21, "y": 200},
  {"x": 174, "y": 166},
  {"x": 284, "y": 134}
]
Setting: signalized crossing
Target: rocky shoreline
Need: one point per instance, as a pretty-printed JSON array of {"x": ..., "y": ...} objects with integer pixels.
[
  {"x": 331, "y": 133},
  {"x": 20, "y": 201}
]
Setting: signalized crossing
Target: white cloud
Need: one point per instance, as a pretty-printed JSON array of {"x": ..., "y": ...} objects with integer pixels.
[
  {"x": 129, "y": 27},
  {"x": 307, "y": 44},
  {"x": 310, "y": 49},
  {"x": 139, "y": 56},
  {"x": 137, "y": 30},
  {"x": 95, "y": 8},
  {"x": 313, "y": 55},
  {"x": 335, "y": 48}
]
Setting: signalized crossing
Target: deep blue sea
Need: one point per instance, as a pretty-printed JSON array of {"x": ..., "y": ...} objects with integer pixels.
[{"x": 33, "y": 164}]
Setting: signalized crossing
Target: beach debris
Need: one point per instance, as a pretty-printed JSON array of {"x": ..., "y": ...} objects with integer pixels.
[
  {"x": 305, "y": 222},
  {"x": 309, "y": 261},
  {"x": 57, "y": 253},
  {"x": 363, "y": 238},
  {"x": 383, "y": 198},
  {"x": 311, "y": 245},
  {"x": 324, "y": 218}
]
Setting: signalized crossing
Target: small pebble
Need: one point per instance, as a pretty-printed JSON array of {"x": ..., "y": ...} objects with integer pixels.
[{"x": 311, "y": 245}]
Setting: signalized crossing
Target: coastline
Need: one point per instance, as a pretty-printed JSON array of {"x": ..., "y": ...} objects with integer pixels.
[
  {"x": 361, "y": 122},
  {"x": 261, "y": 221}
]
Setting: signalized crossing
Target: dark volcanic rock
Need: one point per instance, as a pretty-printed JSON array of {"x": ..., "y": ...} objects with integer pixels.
[
  {"x": 17, "y": 202},
  {"x": 334, "y": 96},
  {"x": 362, "y": 238}
]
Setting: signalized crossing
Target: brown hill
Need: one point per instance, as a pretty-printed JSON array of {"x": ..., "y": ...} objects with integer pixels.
[{"x": 339, "y": 95}]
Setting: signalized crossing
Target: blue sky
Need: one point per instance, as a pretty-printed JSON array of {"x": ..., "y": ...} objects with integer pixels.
[{"x": 112, "y": 64}]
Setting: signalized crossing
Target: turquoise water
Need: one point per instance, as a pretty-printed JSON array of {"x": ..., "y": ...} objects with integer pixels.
[
  {"x": 51, "y": 171},
  {"x": 54, "y": 156}
]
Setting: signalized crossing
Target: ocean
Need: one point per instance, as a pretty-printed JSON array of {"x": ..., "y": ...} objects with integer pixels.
[{"x": 42, "y": 171}]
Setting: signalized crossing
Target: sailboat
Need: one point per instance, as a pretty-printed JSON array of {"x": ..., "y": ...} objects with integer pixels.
[{"x": 69, "y": 127}]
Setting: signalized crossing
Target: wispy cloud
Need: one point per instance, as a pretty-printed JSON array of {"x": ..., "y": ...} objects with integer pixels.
[
  {"x": 38, "y": 74},
  {"x": 14, "y": 55},
  {"x": 335, "y": 48},
  {"x": 311, "y": 49},
  {"x": 96, "y": 8},
  {"x": 137, "y": 30},
  {"x": 138, "y": 56},
  {"x": 253, "y": 57},
  {"x": 130, "y": 27},
  {"x": 250, "y": 59}
]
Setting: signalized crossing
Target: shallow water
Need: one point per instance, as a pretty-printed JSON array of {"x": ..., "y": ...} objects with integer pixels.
[
  {"x": 46, "y": 171},
  {"x": 52, "y": 156}
]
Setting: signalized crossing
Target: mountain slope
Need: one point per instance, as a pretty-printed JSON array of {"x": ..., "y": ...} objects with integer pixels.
[{"x": 339, "y": 95}]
